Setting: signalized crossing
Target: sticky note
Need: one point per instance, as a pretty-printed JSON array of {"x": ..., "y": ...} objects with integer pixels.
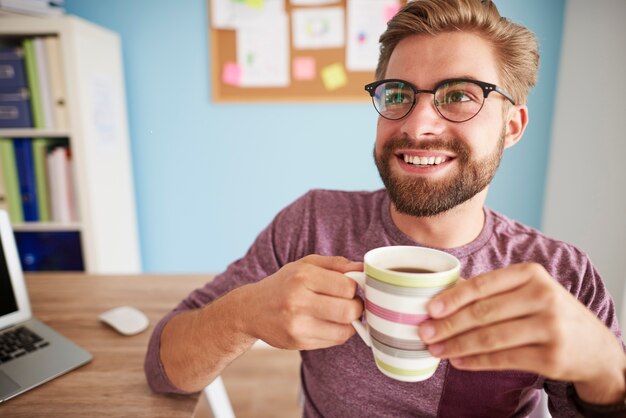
[
  {"x": 304, "y": 68},
  {"x": 231, "y": 74},
  {"x": 390, "y": 11},
  {"x": 257, "y": 4},
  {"x": 334, "y": 76}
]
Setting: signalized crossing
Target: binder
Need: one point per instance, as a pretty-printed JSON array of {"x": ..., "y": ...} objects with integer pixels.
[
  {"x": 26, "y": 174},
  {"x": 15, "y": 109},
  {"x": 11, "y": 181},
  {"x": 12, "y": 74},
  {"x": 30, "y": 62},
  {"x": 61, "y": 183},
  {"x": 50, "y": 250},
  {"x": 40, "y": 151},
  {"x": 41, "y": 63}
]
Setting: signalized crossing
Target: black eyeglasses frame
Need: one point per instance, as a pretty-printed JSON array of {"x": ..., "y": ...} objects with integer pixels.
[{"x": 486, "y": 87}]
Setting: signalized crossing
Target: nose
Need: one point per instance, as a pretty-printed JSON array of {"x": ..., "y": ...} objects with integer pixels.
[{"x": 423, "y": 121}]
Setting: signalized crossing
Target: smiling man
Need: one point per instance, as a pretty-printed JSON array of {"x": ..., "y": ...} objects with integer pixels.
[{"x": 453, "y": 78}]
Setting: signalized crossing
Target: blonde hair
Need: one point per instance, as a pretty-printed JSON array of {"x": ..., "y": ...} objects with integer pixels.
[{"x": 515, "y": 47}]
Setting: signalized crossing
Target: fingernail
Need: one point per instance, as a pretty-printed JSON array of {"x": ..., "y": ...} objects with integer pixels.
[
  {"x": 427, "y": 331},
  {"x": 435, "y": 307},
  {"x": 436, "y": 349}
]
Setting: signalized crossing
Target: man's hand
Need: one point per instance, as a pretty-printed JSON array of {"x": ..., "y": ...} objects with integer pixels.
[
  {"x": 306, "y": 305},
  {"x": 520, "y": 318}
]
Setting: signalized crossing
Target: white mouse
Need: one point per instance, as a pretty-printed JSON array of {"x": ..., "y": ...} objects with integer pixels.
[{"x": 125, "y": 320}]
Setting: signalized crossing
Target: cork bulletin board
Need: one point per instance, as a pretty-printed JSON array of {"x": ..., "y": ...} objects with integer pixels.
[{"x": 295, "y": 50}]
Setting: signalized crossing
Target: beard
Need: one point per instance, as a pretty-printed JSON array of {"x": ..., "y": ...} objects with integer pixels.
[{"x": 422, "y": 196}]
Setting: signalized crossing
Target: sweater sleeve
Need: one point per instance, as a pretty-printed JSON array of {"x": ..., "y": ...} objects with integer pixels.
[{"x": 275, "y": 246}]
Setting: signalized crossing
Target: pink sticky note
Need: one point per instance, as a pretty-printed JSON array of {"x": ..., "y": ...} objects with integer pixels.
[
  {"x": 304, "y": 68},
  {"x": 231, "y": 74},
  {"x": 390, "y": 11}
]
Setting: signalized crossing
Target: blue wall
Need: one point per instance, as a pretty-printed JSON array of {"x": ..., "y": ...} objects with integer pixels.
[{"x": 210, "y": 177}]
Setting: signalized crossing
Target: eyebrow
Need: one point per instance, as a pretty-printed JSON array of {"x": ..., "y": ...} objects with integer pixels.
[{"x": 460, "y": 77}]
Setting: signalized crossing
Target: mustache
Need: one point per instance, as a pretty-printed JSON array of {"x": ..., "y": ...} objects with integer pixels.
[{"x": 455, "y": 146}]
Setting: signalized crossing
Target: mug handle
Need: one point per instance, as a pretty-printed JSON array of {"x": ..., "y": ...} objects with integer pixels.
[{"x": 359, "y": 278}]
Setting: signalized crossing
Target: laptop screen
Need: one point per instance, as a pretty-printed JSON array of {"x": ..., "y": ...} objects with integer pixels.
[{"x": 8, "y": 304}]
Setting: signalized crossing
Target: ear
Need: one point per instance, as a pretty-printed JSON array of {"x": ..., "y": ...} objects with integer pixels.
[{"x": 517, "y": 120}]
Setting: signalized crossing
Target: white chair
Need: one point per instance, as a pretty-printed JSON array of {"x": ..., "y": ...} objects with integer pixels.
[{"x": 214, "y": 402}]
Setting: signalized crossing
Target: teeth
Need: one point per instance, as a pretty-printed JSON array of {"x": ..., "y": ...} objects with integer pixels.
[{"x": 415, "y": 160}]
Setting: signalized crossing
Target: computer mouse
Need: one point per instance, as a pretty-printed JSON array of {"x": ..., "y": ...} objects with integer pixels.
[{"x": 125, "y": 319}]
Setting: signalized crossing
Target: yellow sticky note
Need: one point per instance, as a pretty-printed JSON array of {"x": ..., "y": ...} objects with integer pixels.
[
  {"x": 334, "y": 76},
  {"x": 257, "y": 4}
]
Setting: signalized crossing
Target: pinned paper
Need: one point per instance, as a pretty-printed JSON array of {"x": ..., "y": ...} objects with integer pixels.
[
  {"x": 317, "y": 28},
  {"x": 231, "y": 74},
  {"x": 233, "y": 14},
  {"x": 263, "y": 52},
  {"x": 367, "y": 20},
  {"x": 304, "y": 68},
  {"x": 334, "y": 76},
  {"x": 312, "y": 2}
]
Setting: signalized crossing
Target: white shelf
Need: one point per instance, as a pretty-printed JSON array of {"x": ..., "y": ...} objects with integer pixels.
[
  {"x": 46, "y": 226},
  {"x": 33, "y": 133},
  {"x": 101, "y": 161}
]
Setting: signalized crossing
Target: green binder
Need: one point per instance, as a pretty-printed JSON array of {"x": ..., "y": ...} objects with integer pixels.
[{"x": 11, "y": 182}]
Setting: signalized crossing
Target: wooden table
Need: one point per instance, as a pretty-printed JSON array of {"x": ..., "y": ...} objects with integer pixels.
[{"x": 113, "y": 384}]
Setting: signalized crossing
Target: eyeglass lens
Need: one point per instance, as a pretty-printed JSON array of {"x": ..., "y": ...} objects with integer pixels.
[{"x": 456, "y": 101}]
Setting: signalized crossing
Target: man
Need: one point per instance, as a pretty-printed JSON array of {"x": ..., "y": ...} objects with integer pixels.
[{"x": 453, "y": 78}]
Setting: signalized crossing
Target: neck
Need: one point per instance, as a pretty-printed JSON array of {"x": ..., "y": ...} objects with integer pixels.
[{"x": 454, "y": 228}]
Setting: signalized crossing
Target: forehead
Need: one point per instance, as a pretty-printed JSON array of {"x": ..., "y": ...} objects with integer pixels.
[{"x": 425, "y": 60}]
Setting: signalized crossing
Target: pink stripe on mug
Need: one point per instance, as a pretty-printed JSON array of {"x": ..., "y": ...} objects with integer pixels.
[{"x": 398, "y": 317}]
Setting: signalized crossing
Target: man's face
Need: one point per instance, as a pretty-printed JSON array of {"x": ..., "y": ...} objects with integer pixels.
[{"x": 461, "y": 158}]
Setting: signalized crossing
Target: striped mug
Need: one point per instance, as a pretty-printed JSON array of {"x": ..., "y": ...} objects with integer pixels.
[{"x": 398, "y": 282}]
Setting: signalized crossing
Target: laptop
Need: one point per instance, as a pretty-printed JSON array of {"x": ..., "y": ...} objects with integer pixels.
[{"x": 31, "y": 353}]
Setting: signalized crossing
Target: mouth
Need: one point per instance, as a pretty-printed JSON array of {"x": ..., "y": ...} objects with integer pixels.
[{"x": 422, "y": 159}]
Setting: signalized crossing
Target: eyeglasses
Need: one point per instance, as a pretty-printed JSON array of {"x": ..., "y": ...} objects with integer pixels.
[{"x": 456, "y": 100}]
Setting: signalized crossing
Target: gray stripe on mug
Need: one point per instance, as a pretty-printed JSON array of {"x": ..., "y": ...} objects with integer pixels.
[
  {"x": 394, "y": 352},
  {"x": 405, "y": 291},
  {"x": 396, "y": 342}
]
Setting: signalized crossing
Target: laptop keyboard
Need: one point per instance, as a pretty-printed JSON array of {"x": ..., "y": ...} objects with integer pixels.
[{"x": 17, "y": 342}]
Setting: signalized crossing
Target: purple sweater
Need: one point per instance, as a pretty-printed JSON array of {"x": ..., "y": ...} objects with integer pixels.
[{"x": 343, "y": 381}]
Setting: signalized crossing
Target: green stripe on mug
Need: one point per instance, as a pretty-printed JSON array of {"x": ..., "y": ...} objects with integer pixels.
[
  {"x": 403, "y": 372},
  {"x": 443, "y": 278}
]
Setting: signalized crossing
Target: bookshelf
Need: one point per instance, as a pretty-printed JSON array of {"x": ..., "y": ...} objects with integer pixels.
[{"x": 96, "y": 132}]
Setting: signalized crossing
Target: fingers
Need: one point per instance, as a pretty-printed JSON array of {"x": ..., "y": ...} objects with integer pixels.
[
  {"x": 307, "y": 333},
  {"x": 528, "y": 358},
  {"x": 527, "y": 300},
  {"x": 309, "y": 304},
  {"x": 328, "y": 334},
  {"x": 498, "y": 337},
  {"x": 324, "y": 275},
  {"x": 337, "y": 310},
  {"x": 483, "y": 286}
]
